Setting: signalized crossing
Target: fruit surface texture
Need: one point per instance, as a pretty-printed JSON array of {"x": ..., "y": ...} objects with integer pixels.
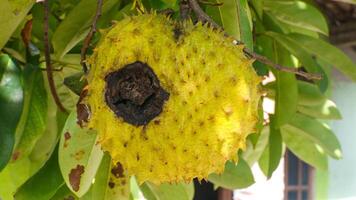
[{"x": 170, "y": 100}]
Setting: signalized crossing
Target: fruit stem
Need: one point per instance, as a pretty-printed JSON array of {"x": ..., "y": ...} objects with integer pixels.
[
  {"x": 203, "y": 17},
  {"x": 90, "y": 35}
]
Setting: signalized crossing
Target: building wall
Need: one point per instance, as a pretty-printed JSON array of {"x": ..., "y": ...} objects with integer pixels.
[{"x": 342, "y": 173}]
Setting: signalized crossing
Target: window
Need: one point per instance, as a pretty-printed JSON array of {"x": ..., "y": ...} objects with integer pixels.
[{"x": 298, "y": 178}]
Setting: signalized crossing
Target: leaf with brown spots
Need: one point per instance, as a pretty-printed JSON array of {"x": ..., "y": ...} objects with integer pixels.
[
  {"x": 110, "y": 182},
  {"x": 66, "y": 138},
  {"x": 78, "y": 150},
  {"x": 75, "y": 176}
]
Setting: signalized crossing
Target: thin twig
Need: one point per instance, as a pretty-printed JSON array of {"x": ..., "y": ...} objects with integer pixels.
[
  {"x": 202, "y": 16},
  {"x": 90, "y": 36},
  {"x": 48, "y": 58},
  {"x": 184, "y": 9},
  {"x": 264, "y": 60}
]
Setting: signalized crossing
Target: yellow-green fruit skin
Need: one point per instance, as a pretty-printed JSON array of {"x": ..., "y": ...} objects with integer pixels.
[{"x": 212, "y": 107}]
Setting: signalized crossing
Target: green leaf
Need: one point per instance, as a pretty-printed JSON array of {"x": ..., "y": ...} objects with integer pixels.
[
  {"x": 317, "y": 132},
  {"x": 299, "y": 14},
  {"x": 165, "y": 191},
  {"x": 229, "y": 17},
  {"x": 235, "y": 17},
  {"x": 44, "y": 184},
  {"x": 234, "y": 176},
  {"x": 11, "y": 104},
  {"x": 33, "y": 120},
  {"x": 76, "y": 25},
  {"x": 327, "y": 53},
  {"x": 68, "y": 98},
  {"x": 305, "y": 57},
  {"x": 79, "y": 156},
  {"x": 252, "y": 154},
  {"x": 11, "y": 15},
  {"x": 75, "y": 82},
  {"x": 64, "y": 193},
  {"x": 271, "y": 156},
  {"x": 309, "y": 94},
  {"x": 134, "y": 189},
  {"x": 286, "y": 88},
  {"x": 20, "y": 169},
  {"x": 286, "y": 95},
  {"x": 98, "y": 190},
  {"x": 325, "y": 110},
  {"x": 305, "y": 149},
  {"x": 169, "y": 3},
  {"x": 13, "y": 176},
  {"x": 258, "y": 7},
  {"x": 105, "y": 187},
  {"x": 245, "y": 23}
]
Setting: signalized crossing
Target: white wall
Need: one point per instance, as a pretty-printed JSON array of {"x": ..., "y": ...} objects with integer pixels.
[{"x": 342, "y": 173}]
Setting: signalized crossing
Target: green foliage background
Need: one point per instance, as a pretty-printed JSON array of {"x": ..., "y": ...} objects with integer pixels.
[{"x": 33, "y": 162}]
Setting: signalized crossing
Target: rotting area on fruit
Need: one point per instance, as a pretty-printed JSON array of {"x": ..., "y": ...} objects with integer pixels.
[{"x": 134, "y": 93}]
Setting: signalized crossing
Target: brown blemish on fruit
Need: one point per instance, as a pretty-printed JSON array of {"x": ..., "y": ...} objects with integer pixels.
[
  {"x": 143, "y": 133},
  {"x": 117, "y": 170},
  {"x": 111, "y": 185},
  {"x": 134, "y": 93},
  {"x": 177, "y": 32},
  {"x": 233, "y": 80},
  {"x": 207, "y": 79},
  {"x": 136, "y": 32},
  {"x": 75, "y": 176},
  {"x": 211, "y": 118}
]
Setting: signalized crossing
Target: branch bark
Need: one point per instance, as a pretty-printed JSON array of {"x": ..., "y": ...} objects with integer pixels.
[
  {"x": 90, "y": 35},
  {"x": 49, "y": 71},
  {"x": 202, "y": 16}
]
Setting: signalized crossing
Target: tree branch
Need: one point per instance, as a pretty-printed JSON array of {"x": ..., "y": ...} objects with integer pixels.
[
  {"x": 264, "y": 60},
  {"x": 90, "y": 35},
  {"x": 48, "y": 58},
  {"x": 202, "y": 16}
]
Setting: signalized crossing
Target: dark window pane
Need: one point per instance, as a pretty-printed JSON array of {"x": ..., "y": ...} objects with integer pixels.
[
  {"x": 305, "y": 195},
  {"x": 305, "y": 172},
  {"x": 292, "y": 195},
  {"x": 292, "y": 169}
]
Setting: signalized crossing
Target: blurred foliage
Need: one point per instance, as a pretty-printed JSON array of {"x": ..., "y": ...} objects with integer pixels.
[{"x": 42, "y": 149}]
